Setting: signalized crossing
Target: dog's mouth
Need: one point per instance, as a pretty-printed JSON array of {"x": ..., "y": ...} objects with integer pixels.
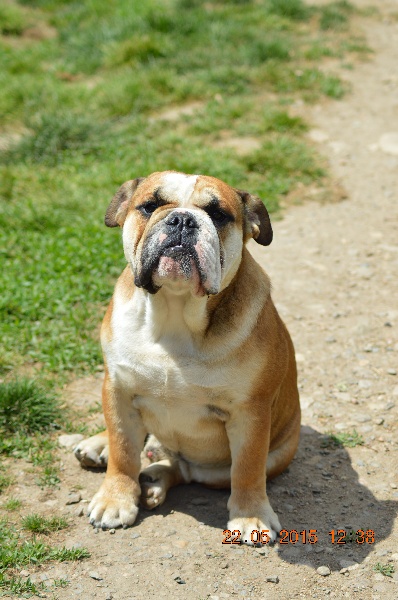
[
  {"x": 179, "y": 266},
  {"x": 176, "y": 266}
]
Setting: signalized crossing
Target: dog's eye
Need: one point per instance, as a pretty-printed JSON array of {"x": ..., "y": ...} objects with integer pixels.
[
  {"x": 148, "y": 208},
  {"x": 218, "y": 216}
]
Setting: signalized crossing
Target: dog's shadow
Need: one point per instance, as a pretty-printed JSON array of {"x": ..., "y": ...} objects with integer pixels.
[{"x": 320, "y": 491}]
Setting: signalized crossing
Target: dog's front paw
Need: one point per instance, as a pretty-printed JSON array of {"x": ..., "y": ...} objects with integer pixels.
[
  {"x": 115, "y": 504},
  {"x": 266, "y": 526},
  {"x": 93, "y": 452}
]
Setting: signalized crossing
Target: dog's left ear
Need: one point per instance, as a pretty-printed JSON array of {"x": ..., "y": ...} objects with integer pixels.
[
  {"x": 117, "y": 210},
  {"x": 258, "y": 224}
]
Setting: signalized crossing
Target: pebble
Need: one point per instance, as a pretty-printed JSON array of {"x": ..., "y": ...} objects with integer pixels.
[
  {"x": 180, "y": 543},
  {"x": 24, "y": 573},
  {"x": 69, "y": 441},
  {"x": 379, "y": 421},
  {"x": 134, "y": 536},
  {"x": 361, "y": 418},
  {"x": 262, "y": 551},
  {"x": 224, "y": 565},
  {"x": 324, "y": 571},
  {"x": 112, "y": 531},
  {"x": 199, "y": 501},
  {"x": 364, "y": 384},
  {"x": 95, "y": 575},
  {"x": 392, "y": 371},
  {"x": 394, "y": 486},
  {"x": 272, "y": 579},
  {"x": 80, "y": 511},
  {"x": 74, "y": 498},
  {"x": 167, "y": 555},
  {"x": 388, "y": 143},
  {"x": 393, "y": 557},
  {"x": 179, "y": 580},
  {"x": 108, "y": 596},
  {"x": 389, "y": 406}
]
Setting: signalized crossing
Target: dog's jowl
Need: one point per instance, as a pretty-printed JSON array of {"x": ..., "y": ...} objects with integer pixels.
[{"x": 195, "y": 355}]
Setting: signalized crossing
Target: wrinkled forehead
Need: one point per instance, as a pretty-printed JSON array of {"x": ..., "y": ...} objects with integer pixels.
[{"x": 189, "y": 190}]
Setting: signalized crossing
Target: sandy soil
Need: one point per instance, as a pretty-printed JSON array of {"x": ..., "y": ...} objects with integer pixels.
[{"x": 334, "y": 270}]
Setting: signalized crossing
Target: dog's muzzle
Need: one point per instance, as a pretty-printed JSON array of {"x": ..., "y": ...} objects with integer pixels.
[{"x": 184, "y": 246}]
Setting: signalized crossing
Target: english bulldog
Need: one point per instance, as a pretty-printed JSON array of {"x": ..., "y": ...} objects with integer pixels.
[{"x": 195, "y": 354}]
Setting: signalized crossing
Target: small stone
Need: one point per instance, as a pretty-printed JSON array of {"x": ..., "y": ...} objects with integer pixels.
[
  {"x": 395, "y": 391},
  {"x": 70, "y": 441},
  {"x": 379, "y": 421},
  {"x": 389, "y": 406},
  {"x": 393, "y": 557},
  {"x": 134, "y": 536},
  {"x": 330, "y": 340},
  {"x": 324, "y": 571},
  {"x": 261, "y": 551},
  {"x": 392, "y": 371},
  {"x": 24, "y": 573},
  {"x": 167, "y": 555},
  {"x": 224, "y": 565},
  {"x": 381, "y": 552},
  {"x": 179, "y": 580},
  {"x": 180, "y": 543},
  {"x": 364, "y": 384},
  {"x": 95, "y": 575},
  {"x": 74, "y": 498},
  {"x": 378, "y": 577},
  {"x": 112, "y": 531},
  {"x": 79, "y": 511},
  {"x": 272, "y": 579},
  {"x": 388, "y": 143},
  {"x": 108, "y": 596},
  {"x": 361, "y": 418},
  {"x": 394, "y": 486},
  {"x": 199, "y": 501}
]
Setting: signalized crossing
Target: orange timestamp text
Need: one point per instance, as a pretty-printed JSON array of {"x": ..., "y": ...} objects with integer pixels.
[{"x": 305, "y": 536}]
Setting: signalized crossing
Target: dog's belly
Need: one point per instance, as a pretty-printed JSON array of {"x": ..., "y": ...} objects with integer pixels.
[{"x": 195, "y": 431}]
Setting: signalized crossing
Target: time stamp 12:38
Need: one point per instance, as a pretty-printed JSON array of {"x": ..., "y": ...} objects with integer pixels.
[{"x": 305, "y": 536}]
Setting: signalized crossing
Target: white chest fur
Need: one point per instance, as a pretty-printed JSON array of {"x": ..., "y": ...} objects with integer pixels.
[{"x": 155, "y": 355}]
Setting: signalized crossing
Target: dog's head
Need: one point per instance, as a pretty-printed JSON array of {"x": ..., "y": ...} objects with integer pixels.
[{"x": 186, "y": 231}]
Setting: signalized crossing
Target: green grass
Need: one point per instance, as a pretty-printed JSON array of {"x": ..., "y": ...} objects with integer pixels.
[
  {"x": 346, "y": 439},
  {"x": 5, "y": 482},
  {"x": 12, "y": 504},
  {"x": 39, "y": 524},
  {"x": 386, "y": 570},
  {"x": 17, "y": 552},
  {"x": 26, "y": 408},
  {"x": 80, "y": 102},
  {"x": 28, "y": 413}
]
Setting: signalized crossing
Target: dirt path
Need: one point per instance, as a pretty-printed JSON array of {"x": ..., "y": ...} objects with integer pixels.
[{"x": 334, "y": 271}]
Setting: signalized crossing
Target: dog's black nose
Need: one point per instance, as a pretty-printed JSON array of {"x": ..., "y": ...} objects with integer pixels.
[{"x": 182, "y": 221}]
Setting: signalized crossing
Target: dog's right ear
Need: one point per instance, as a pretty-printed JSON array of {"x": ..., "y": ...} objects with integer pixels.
[{"x": 118, "y": 208}]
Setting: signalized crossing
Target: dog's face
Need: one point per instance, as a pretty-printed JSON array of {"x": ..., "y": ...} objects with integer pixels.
[{"x": 186, "y": 232}]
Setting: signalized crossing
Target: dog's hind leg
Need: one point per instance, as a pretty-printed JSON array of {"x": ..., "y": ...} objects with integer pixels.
[
  {"x": 93, "y": 451},
  {"x": 157, "y": 479}
]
